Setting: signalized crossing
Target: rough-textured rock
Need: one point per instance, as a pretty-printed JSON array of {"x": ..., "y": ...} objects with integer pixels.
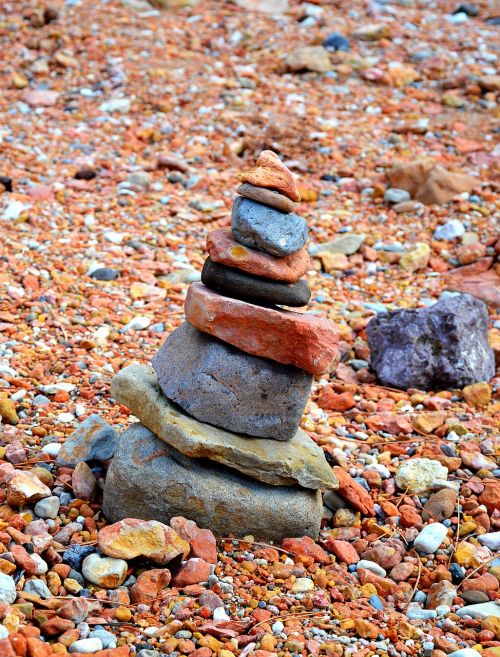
[
  {"x": 151, "y": 540},
  {"x": 347, "y": 244},
  {"x": 93, "y": 440},
  {"x": 287, "y": 337},
  {"x": 149, "y": 584},
  {"x": 23, "y": 487},
  {"x": 443, "y": 346},
  {"x": 149, "y": 479},
  {"x": 270, "y": 172},
  {"x": 440, "y": 505},
  {"x": 223, "y": 248},
  {"x": 353, "y": 492},
  {"x": 309, "y": 58},
  {"x": 260, "y": 227},
  {"x": 253, "y": 289},
  {"x": 417, "y": 475},
  {"x": 274, "y": 462},
  {"x": 267, "y": 197},
  {"x": 104, "y": 571},
  {"x": 201, "y": 541},
  {"x": 430, "y": 538},
  {"x": 428, "y": 182},
  {"x": 219, "y": 384}
]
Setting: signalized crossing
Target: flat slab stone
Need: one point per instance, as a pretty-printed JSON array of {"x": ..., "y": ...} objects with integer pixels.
[
  {"x": 219, "y": 384},
  {"x": 297, "y": 461},
  {"x": 443, "y": 346},
  {"x": 270, "y": 172},
  {"x": 254, "y": 289},
  {"x": 223, "y": 248},
  {"x": 287, "y": 337},
  {"x": 267, "y": 196},
  {"x": 266, "y": 229},
  {"x": 150, "y": 480}
]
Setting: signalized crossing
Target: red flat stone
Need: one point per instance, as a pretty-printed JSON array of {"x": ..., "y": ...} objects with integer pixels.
[
  {"x": 305, "y": 341},
  {"x": 223, "y": 248}
]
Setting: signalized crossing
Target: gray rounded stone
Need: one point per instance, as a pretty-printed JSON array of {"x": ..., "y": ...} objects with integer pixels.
[
  {"x": 443, "y": 346},
  {"x": 150, "y": 480},
  {"x": 267, "y": 197},
  {"x": 260, "y": 227},
  {"x": 240, "y": 285},
  {"x": 219, "y": 384}
]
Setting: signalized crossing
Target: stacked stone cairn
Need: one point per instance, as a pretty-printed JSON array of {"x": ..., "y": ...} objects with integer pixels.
[{"x": 219, "y": 439}]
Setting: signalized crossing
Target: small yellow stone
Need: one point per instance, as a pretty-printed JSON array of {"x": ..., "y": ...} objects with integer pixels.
[
  {"x": 477, "y": 394},
  {"x": 416, "y": 259},
  {"x": 268, "y": 642},
  {"x": 347, "y": 624},
  {"x": 19, "y": 81},
  {"x": 59, "y": 648},
  {"x": 367, "y": 590},
  {"x": 123, "y": 614},
  {"x": 72, "y": 585},
  {"x": 6, "y": 567},
  {"x": 8, "y": 411}
]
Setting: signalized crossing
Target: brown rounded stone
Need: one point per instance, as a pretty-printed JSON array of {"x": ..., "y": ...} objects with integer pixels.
[
  {"x": 224, "y": 249},
  {"x": 287, "y": 337},
  {"x": 271, "y": 172},
  {"x": 266, "y": 196}
]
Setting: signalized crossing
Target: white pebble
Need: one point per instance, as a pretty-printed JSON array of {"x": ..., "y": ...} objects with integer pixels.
[
  {"x": 372, "y": 567},
  {"x": 86, "y": 645},
  {"x": 431, "y": 537}
]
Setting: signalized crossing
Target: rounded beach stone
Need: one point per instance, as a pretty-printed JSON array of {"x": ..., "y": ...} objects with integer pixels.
[
  {"x": 149, "y": 479},
  {"x": 210, "y": 380},
  {"x": 287, "y": 337},
  {"x": 224, "y": 249},
  {"x": 255, "y": 289},
  {"x": 266, "y": 229},
  {"x": 267, "y": 197}
]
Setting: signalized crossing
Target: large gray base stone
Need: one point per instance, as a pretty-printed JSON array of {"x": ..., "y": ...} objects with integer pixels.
[
  {"x": 443, "y": 346},
  {"x": 219, "y": 384},
  {"x": 150, "y": 480}
]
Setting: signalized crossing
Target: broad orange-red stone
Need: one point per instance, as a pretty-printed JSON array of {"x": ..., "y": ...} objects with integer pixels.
[
  {"x": 305, "y": 341},
  {"x": 223, "y": 248},
  {"x": 270, "y": 172}
]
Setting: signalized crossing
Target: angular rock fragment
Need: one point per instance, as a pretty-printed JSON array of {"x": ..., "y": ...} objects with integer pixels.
[
  {"x": 443, "y": 346},
  {"x": 270, "y": 172},
  {"x": 149, "y": 479},
  {"x": 210, "y": 380},
  {"x": 297, "y": 461},
  {"x": 93, "y": 440}
]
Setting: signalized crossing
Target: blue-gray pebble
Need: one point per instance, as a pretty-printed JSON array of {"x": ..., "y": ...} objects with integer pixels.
[{"x": 261, "y": 227}]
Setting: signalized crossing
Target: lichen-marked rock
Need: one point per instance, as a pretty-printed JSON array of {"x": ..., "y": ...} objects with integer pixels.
[
  {"x": 443, "y": 346},
  {"x": 254, "y": 289},
  {"x": 223, "y": 248},
  {"x": 149, "y": 479},
  {"x": 297, "y": 461},
  {"x": 261, "y": 227},
  {"x": 219, "y": 384}
]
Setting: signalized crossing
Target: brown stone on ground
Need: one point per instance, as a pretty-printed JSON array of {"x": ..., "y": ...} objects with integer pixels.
[
  {"x": 440, "y": 505},
  {"x": 383, "y": 585},
  {"x": 56, "y": 626},
  {"x": 428, "y": 182},
  {"x": 149, "y": 584},
  {"x": 486, "y": 583},
  {"x": 409, "y": 515},
  {"x": 402, "y": 571},
  {"x": 490, "y": 496},
  {"x": 194, "y": 571},
  {"x": 357, "y": 496},
  {"x": 305, "y": 547},
  {"x": 130, "y": 538},
  {"x": 267, "y": 197},
  {"x": 287, "y": 337},
  {"x": 330, "y": 401},
  {"x": 476, "y": 279},
  {"x": 387, "y": 554},
  {"x": 272, "y": 173},
  {"x": 224, "y": 249},
  {"x": 390, "y": 423},
  {"x": 343, "y": 550},
  {"x": 202, "y": 541}
]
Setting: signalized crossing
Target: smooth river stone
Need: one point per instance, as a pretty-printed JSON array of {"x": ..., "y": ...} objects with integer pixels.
[
  {"x": 287, "y": 337},
  {"x": 224, "y": 249},
  {"x": 254, "y": 289},
  {"x": 272, "y": 173},
  {"x": 266, "y": 229},
  {"x": 219, "y": 384},
  {"x": 148, "y": 479},
  {"x": 297, "y": 461},
  {"x": 267, "y": 197}
]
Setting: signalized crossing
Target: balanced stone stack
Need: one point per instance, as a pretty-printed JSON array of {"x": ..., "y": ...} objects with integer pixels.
[{"x": 219, "y": 440}]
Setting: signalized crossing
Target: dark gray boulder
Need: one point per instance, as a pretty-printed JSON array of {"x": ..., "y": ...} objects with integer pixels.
[
  {"x": 149, "y": 479},
  {"x": 261, "y": 227},
  {"x": 219, "y": 384},
  {"x": 93, "y": 440},
  {"x": 443, "y": 346},
  {"x": 240, "y": 285}
]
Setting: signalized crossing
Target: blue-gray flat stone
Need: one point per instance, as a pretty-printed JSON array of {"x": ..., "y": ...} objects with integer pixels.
[
  {"x": 261, "y": 227},
  {"x": 219, "y": 384},
  {"x": 93, "y": 440}
]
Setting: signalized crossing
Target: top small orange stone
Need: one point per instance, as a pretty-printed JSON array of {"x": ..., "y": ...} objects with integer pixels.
[{"x": 270, "y": 172}]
